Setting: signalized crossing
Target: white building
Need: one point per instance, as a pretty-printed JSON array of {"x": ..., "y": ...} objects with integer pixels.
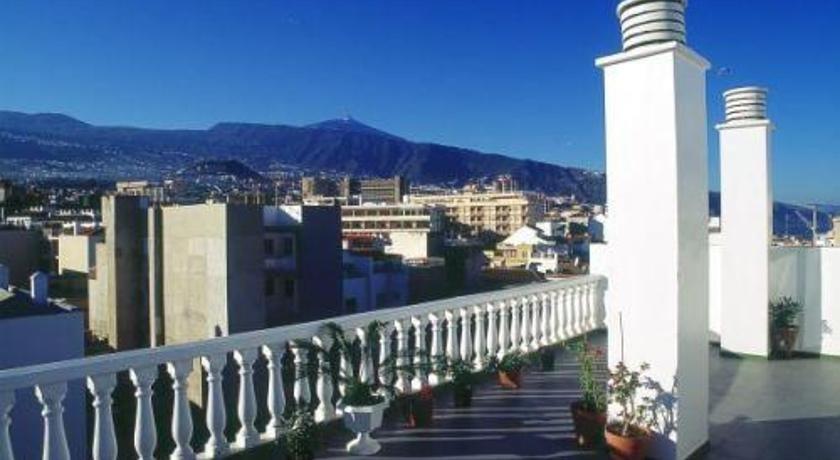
[
  {"x": 410, "y": 230},
  {"x": 371, "y": 284}
]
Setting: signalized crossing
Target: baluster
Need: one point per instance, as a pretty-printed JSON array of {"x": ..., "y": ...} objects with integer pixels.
[
  {"x": 525, "y": 330},
  {"x": 324, "y": 385},
  {"x": 570, "y": 312},
  {"x": 451, "y": 339},
  {"x": 301, "y": 387},
  {"x": 365, "y": 363},
  {"x": 276, "y": 395},
  {"x": 591, "y": 306},
  {"x": 552, "y": 318},
  {"x": 182, "y": 426},
  {"x": 503, "y": 329},
  {"x": 478, "y": 361},
  {"x": 466, "y": 335},
  {"x": 515, "y": 326},
  {"x": 7, "y": 402},
  {"x": 535, "y": 324},
  {"x": 599, "y": 303},
  {"x": 345, "y": 369},
  {"x": 580, "y": 321},
  {"x": 385, "y": 364},
  {"x": 51, "y": 397},
  {"x": 145, "y": 435},
  {"x": 104, "y": 439},
  {"x": 420, "y": 377},
  {"x": 402, "y": 384},
  {"x": 562, "y": 317},
  {"x": 492, "y": 332},
  {"x": 216, "y": 417},
  {"x": 545, "y": 307},
  {"x": 247, "y": 436},
  {"x": 436, "y": 353}
]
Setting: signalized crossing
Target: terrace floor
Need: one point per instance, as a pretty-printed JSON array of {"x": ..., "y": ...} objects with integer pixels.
[{"x": 758, "y": 410}]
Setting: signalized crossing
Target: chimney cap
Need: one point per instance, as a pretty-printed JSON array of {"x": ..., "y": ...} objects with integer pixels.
[
  {"x": 646, "y": 22},
  {"x": 746, "y": 103}
]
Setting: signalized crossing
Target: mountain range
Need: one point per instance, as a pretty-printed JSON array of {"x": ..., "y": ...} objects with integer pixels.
[
  {"x": 31, "y": 144},
  {"x": 344, "y": 146}
]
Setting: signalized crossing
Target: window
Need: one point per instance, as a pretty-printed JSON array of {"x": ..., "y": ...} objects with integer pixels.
[
  {"x": 269, "y": 286},
  {"x": 289, "y": 288},
  {"x": 288, "y": 246},
  {"x": 269, "y": 247}
]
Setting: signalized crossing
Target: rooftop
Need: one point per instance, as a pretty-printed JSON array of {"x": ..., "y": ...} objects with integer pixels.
[{"x": 18, "y": 304}]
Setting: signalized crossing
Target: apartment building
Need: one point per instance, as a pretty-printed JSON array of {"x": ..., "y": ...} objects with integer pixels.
[
  {"x": 480, "y": 213},
  {"x": 387, "y": 191},
  {"x": 410, "y": 230},
  {"x": 156, "y": 192}
]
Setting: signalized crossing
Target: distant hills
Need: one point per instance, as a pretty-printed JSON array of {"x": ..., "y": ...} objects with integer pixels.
[{"x": 343, "y": 146}]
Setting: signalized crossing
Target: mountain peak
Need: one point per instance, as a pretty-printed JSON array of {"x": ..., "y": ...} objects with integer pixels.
[{"x": 348, "y": 124}]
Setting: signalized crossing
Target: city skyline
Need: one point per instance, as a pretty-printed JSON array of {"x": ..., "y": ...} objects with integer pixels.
[{"x": 500, "y": 78}]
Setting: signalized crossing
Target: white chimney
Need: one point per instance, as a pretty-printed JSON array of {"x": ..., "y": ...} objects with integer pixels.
[
  {"x": 39, "y": 286},
  {"x": 4, "y": 277},
  {"x": 645, "y": 22}
]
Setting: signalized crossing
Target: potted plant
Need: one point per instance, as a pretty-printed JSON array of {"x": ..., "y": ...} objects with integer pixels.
[
  {"x": 784, "y": 313},
  {"x": 421, "y": 408},
  {"x": 462, "y": 376},
  {"x": 628, "y": 435},
  {"x": 589, "y": 414},
  {"x": 362, "y": 408},
  {"x": 547, "y": 359},
  {"x": 301, "y": 435},
  {"x": 509, "y": 370}
]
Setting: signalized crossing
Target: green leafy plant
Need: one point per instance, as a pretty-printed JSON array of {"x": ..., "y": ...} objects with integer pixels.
[
  {"x": 358, "y": 393},
  {"x": 634, "y": 417},
  {"x": 594, "y": 397},
  {"x": 510, "y": 363},
  {"x": 461, "y": 372},
  {"x": 784, "y": 312},
  {"x": 301, "y": 434}
]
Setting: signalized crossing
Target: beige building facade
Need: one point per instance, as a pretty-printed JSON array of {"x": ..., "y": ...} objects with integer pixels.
[{"x": 497, "y": 213}]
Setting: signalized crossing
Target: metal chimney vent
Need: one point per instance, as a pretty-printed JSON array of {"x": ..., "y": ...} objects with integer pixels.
[
  {"x": 747, "y": 103},
  {"x": 646, "y": 22}
]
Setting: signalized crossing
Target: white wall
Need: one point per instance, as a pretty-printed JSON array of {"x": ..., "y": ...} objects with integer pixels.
[{"x": 715, "y": 292}]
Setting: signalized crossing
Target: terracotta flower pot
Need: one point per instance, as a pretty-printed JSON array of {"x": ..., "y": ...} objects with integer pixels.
[
  {"x": 589, "y": 426},
  {"x": 510, "y": 380},
  {"x": 633, "y": 447},
  {"x": 420, "y": 412}
]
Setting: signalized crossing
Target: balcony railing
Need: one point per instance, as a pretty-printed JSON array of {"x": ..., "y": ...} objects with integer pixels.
[{"x": 472, "y": 328}]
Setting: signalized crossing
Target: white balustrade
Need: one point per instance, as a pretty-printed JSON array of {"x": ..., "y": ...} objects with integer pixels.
[
  {"x": 182, "y": 426},
  {"x": 477, "y": 327},
  {"x": 247, "y": 408},
  {"x": 104, "y": 439},
  {"x": 436, "y": 376},
  {"x": 420, "y": 377},
  {"x": 51, "y": 397},
  {"x": 217, "y": 445}
]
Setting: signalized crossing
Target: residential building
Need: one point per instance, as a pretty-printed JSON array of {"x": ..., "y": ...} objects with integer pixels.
[
  {"x": 410, "y": 230},
  {"x": 156, "y": 192},
  {"x": 532, "y": 247},
  {"x": 23, "y": 252},
  {"x": 34, "y": 330},
  {"x": 5, "y": 190},
  {"x": 387, "y": 191},
  {"x": 77, "y": 252},
  {"x": 118, "y": 292},
  {"x": 373, "y": 282},
  {"x": 482, "y": 213},
  {"x": 311, "y": 187}
]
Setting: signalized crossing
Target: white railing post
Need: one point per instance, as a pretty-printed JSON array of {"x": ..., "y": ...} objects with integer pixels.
[
  {"x": 145, "y": 435},
  {"x": 478, "y": 361},
  {"x": 104, "y": 446},
  {"x": 182, "y": 426},
  {"x": 569, "y": 307},
  {"x": 301, "y": 385},
  {"x": 600, "y": 286},
  {"x": 51, "y": 397},
  {"x": 402, "y": 384},
  {"x": 516, "y": 306},
  {"x": 420, "y": 357},
  {"x": 535, "y": 324},
  {"x": 504, "y": 329},
  {"x": 247, "y": 436},
  {"x": 451, "y": 337},
  {"x": 492, "y": 332},
  {"x": 591, "y": 308},
  {"x": 466, "y": 335},
  {"x": 324, "y": 384},
  {"x": 7, "y": 402},
  {"x": 545, "y": 316},
  {"x": 553, "y": 337},
  {"x": 525, "y": 329},
  {"x": 274, "y": 353},
  {"x": 385, "y": 354},
  {"x": 580, "y": 321},
  {"x": 216, "y": 417},
  {"x": 436, "y": 352}
]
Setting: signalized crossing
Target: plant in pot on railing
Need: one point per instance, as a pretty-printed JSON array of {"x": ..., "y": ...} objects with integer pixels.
[
  {"x": 628, "y": 435},
  {"x": 362, "y": 408},
  {"x": 509, "y": 369},
  {"x": 589, "y": 414},
  {"x": 301, "y": 435},
  {"x": 784, "y": 313}
]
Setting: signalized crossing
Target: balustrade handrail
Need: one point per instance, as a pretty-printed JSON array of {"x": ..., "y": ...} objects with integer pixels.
[{"x": 79, "y": 368}]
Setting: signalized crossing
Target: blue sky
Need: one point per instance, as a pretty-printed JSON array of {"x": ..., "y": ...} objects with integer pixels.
[{"x": 513, "y": 77}]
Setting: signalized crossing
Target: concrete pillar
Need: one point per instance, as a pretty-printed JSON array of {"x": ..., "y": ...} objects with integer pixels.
[
  {"x": 657, "y": 197},
  {"x": 746, "y": 221},
  {"x": 39, "y": 287}
]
